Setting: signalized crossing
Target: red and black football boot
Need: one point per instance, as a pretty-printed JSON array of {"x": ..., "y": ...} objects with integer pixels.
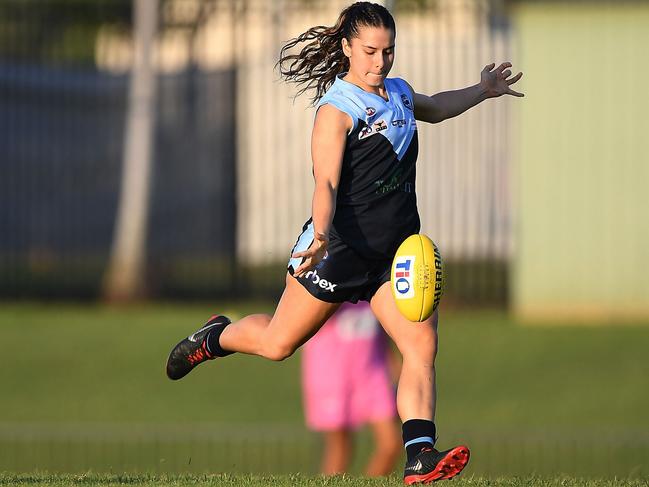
[
  {"x": 193, "y": 351},
  {"x": 431, "y": 465}
]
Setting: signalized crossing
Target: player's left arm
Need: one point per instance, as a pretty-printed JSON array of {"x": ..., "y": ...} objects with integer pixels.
[{"x": 448, "y": 104}]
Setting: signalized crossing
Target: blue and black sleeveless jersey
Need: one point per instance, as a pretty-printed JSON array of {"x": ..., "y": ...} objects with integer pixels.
[{"x": 376, "y": 206}]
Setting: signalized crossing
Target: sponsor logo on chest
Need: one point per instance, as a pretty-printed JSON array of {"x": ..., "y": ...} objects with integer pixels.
[{"x": 372, "y": 129}]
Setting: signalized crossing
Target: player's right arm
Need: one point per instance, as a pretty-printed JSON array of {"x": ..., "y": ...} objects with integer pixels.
[{"x": 328, "y": 139}]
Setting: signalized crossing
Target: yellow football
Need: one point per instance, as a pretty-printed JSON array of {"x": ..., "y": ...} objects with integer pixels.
[{"x": 417, "y": 277}]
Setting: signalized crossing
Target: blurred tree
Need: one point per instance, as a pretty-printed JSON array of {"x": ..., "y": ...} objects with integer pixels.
[
  {"x": 125, "y": 280},
  {"x": 57, "y": 31}
]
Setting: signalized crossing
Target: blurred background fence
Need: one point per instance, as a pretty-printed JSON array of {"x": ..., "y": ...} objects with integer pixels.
[
  {"x": 63, "y": 117},
  {"x": 231, "y": 170}
]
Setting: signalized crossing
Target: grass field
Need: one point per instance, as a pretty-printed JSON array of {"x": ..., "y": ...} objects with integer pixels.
[
  {"x": 226, "y": 480},
  {"x": 84, "y": 389}
]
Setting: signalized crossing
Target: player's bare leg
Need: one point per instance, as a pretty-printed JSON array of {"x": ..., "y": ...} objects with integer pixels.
[
  {"x": 416, "y": 395},
  {"x": 418, "y": 346},
  {"x": 297, "y": 318}
]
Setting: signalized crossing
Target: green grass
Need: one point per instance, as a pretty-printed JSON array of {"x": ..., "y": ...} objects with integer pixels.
[
  {"x": 81, "y": 363},
  {"x": 84, "y": 388},
  {"x": 293, "y": 481}
]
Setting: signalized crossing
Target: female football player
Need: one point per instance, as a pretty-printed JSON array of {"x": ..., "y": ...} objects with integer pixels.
[{"x": 364, "y": 149}]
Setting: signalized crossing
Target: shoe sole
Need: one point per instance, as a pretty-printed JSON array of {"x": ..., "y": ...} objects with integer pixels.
[{"x": 447, "y": 468}]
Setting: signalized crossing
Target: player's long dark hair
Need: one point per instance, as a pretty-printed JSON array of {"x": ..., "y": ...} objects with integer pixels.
[{"x": 322, "y": 59}]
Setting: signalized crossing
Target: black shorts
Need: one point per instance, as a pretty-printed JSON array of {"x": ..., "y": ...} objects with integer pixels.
[{"x": 343, "y": 275}]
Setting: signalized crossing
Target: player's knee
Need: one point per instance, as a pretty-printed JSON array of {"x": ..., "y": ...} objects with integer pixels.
[
  {"x": 424, "y": 349},
  {"x": 278, "y": 351}
]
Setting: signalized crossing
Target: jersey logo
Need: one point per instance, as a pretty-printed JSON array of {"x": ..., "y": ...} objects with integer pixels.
[
  {"x": 370, "y": 111},
  {"x": 406, "y": 101},
  {"x": 379, "y": 125},
  {"x": 375, "y": 128},
  {"x": 398, "y": 123}
]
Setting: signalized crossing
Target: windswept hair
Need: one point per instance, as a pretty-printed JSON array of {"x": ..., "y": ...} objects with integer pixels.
[{"x": 316, "y": 66}]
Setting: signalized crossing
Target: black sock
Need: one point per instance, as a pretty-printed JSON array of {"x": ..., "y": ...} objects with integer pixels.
[
  {"x": 212, "y": 341},
  {"x": 418, "y": 433}
]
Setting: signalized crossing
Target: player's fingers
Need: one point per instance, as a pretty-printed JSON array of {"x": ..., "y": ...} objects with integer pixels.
[
  {"x": 305, "y": 254},
  {"x": 515, "y": 93},
  {"x": 301, "y": 269},
  {"x": 489, "y": 67},
  {"x": 504, "y": 66},
  {"x": 513, "y": 80},
  {"x": 507, "y": 74}
]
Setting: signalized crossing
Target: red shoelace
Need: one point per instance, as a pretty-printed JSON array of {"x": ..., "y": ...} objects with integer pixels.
[{"x": 199, "y": 355}]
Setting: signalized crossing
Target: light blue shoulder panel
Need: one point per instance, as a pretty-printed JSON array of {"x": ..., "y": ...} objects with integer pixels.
[
  {"x": 393, "y": 119},
  {"x": 344, "y": 99}
]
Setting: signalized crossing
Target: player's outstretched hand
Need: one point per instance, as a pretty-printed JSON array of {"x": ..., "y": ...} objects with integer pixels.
[
  {"x": 312, "y": 256},
  {"x": 497, "y": 81}
]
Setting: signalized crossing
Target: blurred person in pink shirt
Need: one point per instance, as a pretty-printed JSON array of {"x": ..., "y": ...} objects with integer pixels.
[{"x": 346, "y": 380}]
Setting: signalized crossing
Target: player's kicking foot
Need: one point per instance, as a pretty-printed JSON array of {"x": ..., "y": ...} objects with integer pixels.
[
  {"x": 193, "y": 350},
  {"x": 431, "y": 465}
]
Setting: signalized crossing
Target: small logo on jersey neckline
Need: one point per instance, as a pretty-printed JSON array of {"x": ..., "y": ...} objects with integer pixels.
[
  {"x": 370, "y": 111},
  {"x": 406, "y": 101}
]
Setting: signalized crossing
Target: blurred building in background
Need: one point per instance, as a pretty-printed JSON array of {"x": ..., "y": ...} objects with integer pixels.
[
  {"x": 545, "y": 189},
  {"x": 581, "y": 162}
]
